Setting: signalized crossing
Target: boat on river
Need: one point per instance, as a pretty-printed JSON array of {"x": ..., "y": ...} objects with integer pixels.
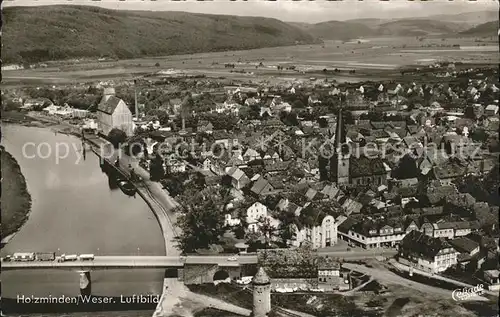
[{"x": 127, "y": 187}]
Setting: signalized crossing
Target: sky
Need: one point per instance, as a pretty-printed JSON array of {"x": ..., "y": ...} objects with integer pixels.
[{"x": 288, "y": 10}]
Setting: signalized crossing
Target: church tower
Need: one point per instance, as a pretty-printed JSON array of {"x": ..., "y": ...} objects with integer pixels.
[
  {"x": 339, "y": 162},
  {"x": 261, "y": 294}
]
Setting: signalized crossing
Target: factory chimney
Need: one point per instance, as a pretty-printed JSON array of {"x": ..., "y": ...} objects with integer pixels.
[{"x": 135, "y": 100}]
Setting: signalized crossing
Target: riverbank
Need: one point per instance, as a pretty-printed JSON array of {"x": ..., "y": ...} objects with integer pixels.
[
  {"x": 75, "y": 210},
  {"x": 35, "y": 119},
  {"x": 16, "y": 200},
  {"x": 158, "y": 200}
]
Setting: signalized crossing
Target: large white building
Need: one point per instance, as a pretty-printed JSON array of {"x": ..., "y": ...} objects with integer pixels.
[
  {"x": 113, "y": 112},
  {"x": 323, "y": 235}
]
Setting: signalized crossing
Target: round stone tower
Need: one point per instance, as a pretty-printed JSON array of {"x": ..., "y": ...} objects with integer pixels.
[{"x": 261, "y": 294}]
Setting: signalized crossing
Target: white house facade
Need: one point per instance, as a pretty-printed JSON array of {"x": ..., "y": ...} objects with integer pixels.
[
  {"x": 113, "y": 112},
  {"x": 321, "y": 236}
]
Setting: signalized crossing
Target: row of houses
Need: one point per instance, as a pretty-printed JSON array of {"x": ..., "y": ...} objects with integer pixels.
[{"x": 368, "y": 233}]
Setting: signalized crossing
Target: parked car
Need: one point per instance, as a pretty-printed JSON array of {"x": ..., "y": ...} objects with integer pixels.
[{"x": 232, "y": 258}]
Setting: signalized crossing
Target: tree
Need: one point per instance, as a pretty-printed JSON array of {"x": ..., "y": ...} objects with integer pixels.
[
  {"x": 241, "y": 212},
  {"x": 220, "y": 121},
  {"x": 348, "y": 118},
  {"x": 162, "y": 115},
  {"x": 298, "y": 104},
  {"x": 267, "y": 229},
  {"x": 286, "y": 231},
  {"x": 201, "y": 219},
  {"x": 156, "y": 170},
  {"x": 289, "y": 118},
  {"x": 479, "y": 135},
  {"x": 407, "y": 168},
  {"x": 323, "y": 163},
  {"x": 117, "y": 137},
  {"x": 9, "y": 105},
  {"x": 469, "y": 113}
]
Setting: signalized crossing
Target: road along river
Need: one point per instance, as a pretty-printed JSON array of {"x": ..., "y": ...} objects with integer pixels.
[{"x": 74, "y": 211}]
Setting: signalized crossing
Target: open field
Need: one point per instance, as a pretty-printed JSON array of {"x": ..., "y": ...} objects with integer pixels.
[{"x": 376, "y": 58}]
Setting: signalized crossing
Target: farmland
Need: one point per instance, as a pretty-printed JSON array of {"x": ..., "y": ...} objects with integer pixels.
[{"x": 377, "y": 58}]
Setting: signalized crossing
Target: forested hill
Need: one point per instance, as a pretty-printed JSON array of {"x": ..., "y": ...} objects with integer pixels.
[
  {"x": 32, "y": 34},
  {"x": 483, "y": 30}
]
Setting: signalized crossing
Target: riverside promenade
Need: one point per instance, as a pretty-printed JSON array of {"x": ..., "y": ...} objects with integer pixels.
[{"x": 176, "y": 298}]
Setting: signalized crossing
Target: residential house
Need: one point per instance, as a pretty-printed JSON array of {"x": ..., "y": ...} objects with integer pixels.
[
  {"x": 285, "y": 205},
  {"x": 447, "y": 173},
  {"x": 261, "y": 187},
  {"x": 331, "y": 191},
  {"x": 329, "y": 275},
  {"x": 206, "y": 164},
  {"x": 270, "y": 155},
  {"x": 469, "y": 252},
  {"x": 254, "y": 213},
  {"x": 35, "y": 102},
  {"x": 251, "y": 155},
  {"x": 227, "y": 107},
  {"x": 272, "y": 168},
  {"x": 223, "y": 138},
  {"x": 351, "y": 206},
  {"x": 313, "y": 100},
  {"x": 231, "y": 219},
  {"x": 491, "y": 110},
  {"x": 465, "y": 245},
  {"x": 238, "y": 177},
  {"x": 251, "y": 101},
  {"x": 51, "y": 110},
  {"x": 428, "y": 228},
  {"x": 175, "y": 105},
  {"x": 491, "y": 277},
  {"x": 425, "y": 253},
  {"x": 454, "y": 229},
  {"x": 112, "y": 112},
  {"x": 277, "y": 105},
  {"x": 205, "y": 126},
  {"x": 265, "y": 110},
  {"x": 175, "y": 166}
]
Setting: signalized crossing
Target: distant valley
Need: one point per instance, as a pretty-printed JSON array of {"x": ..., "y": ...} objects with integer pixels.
[
  {"x": 36, "y": 34},
  {"x": 463, "y": 24}
]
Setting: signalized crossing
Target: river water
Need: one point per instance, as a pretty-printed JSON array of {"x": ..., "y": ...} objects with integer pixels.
[{"x": 74, "y": 211}]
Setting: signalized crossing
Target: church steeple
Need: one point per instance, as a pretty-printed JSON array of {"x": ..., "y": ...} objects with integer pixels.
[
  {"x": 340, "y": 133},
  {"x": 339, "y": 162}
]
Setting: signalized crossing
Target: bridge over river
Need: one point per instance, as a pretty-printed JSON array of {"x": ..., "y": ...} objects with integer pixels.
[
  {"x": 191, "y": 269},
  {"x": 134, "y": 262}
]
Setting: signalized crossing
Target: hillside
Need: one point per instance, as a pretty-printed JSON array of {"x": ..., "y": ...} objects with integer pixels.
[
  {"x": 337, "y": 30},
  {"x": 58, "y": 32},
  {"x": 471, "y": 18},
  {"x": 420, "y": 27},
  {"x": 445, "y": 24},
  {"x": 371, "y": 22},
  {"x": 352, "y": 29},
  {"x": 483, "y": 30}
]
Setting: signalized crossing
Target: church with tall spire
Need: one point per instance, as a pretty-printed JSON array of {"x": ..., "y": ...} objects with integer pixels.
[
  {"x": 347, "y": 168},
  {"x": 339, "y": 162}
]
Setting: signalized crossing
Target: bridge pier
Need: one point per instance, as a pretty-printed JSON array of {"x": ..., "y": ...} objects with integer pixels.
[{"x": 85, "y": 283}]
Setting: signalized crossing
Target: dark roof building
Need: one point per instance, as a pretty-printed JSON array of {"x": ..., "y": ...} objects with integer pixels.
[{"x": 422, "y": 245}]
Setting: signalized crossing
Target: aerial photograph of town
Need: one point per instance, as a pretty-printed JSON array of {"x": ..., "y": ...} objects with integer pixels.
[{"x": 250, "y": 158}]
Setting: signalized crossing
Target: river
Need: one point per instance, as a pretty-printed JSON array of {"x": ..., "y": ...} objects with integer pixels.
[{"x": 74, "y": 211}]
